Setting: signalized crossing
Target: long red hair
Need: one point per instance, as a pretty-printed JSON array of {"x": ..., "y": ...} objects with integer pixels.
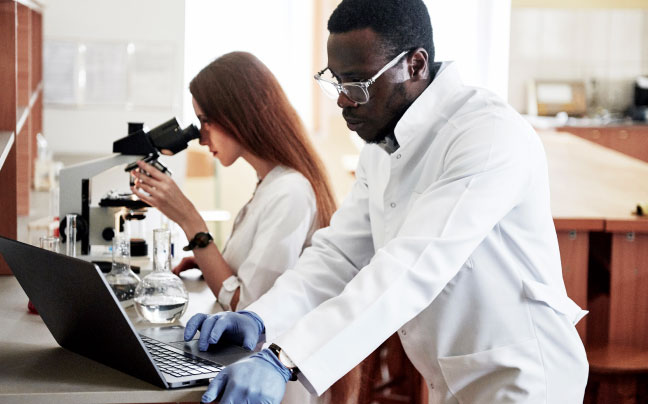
[{"x": 239, "y": 93}]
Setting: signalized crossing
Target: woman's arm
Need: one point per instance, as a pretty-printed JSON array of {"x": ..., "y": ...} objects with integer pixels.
[{"x": 161, "y": 192}]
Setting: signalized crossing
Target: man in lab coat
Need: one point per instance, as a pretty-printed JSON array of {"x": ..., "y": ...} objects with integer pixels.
[{"x": 446, "y": 238}]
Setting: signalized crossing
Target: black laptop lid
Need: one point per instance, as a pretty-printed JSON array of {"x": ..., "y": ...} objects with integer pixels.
[{"x": 79, "y": 308}]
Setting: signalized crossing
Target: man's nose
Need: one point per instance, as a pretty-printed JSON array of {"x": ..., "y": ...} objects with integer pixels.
[{"x": 343, "y": 101}]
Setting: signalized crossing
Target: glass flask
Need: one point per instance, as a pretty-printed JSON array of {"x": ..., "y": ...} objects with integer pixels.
[
  {"x": 48, "y": 243},
  {"x": 161, "y": 297},
  {"x": 121, "y": 278}
]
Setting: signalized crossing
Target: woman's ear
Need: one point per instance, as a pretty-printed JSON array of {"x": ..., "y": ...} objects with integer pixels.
[{"x": 418, "y": 65}]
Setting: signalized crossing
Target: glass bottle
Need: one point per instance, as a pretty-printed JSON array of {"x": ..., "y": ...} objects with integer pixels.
[
  {"x": 48, "y": 243},
  {"x": 121, "y": 278},
  {"x": 161, "y": 297}
]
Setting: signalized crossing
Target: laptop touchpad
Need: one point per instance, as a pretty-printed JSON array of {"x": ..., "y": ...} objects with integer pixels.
[{"x": 224, "y": 354}]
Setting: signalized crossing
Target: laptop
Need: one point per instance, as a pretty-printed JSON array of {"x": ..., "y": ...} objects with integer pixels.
[{"x": 83, "y": 314}]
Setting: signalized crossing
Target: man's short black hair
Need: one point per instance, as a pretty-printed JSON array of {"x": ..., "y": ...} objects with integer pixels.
[{"x": 402, "y": 24}]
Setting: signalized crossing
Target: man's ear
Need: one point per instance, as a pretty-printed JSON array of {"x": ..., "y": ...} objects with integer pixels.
[{"x": 418, "y": 65}]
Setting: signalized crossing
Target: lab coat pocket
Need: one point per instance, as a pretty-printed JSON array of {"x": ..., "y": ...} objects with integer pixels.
[
  {"x": 555, "y": 299},
  {"x": 508, "y": 374}
]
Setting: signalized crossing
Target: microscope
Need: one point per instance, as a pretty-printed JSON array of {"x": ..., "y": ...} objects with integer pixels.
[{"x": 96, "y": 224}]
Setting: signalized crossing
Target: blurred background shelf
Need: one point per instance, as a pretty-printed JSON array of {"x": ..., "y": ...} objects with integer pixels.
[{"x": 21, "y": 116}]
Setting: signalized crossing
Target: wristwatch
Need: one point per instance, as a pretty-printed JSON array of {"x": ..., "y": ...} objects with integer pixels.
[
  {"x": 200, "y": 240},
  {"x": 285, "y": 360}
]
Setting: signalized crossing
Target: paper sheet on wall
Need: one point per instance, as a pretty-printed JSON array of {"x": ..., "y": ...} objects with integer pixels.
[
  {"x": 94, "y": 73},
  {"x": 106, "y": 73},
  {"x": 152, "y": 82},
  {"x": 60, "y": 72}
]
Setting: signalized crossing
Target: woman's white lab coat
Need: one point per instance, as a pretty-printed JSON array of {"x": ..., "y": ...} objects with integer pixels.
[
  {"x": 269, "y": 234},
  {"x": 450, "y": 242}
]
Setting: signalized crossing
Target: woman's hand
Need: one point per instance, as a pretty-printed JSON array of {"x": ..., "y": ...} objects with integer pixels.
[
  {"x": 186, "y": 263},
  {"x": 161, "y": 192}
]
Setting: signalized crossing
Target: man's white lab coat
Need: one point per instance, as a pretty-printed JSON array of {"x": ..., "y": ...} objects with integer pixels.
[{"x": 450, "y": 242}]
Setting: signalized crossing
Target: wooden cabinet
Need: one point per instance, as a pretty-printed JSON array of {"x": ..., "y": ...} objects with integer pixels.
[
  {"x": 628, "y": 139},
  {"x": 21, "y": 100}
]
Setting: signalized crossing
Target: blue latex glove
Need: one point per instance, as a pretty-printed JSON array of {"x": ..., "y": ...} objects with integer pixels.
[
  {"x": 260, "y": 378},
  {"x": 243, "y": 327}
]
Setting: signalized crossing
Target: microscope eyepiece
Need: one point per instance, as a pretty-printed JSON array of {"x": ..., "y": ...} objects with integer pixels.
[{"x": 167, "y": 138}]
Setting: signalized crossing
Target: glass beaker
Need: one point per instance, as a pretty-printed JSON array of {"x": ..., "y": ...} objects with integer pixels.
[
  {"x": 161, "y": 297},
  {"x": 121, "y": 278},
  {"x": 48, "y": 243}
]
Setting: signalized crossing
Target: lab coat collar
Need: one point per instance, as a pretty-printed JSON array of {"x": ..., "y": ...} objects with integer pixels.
[
  {"x": 429, "y": 107},
  {"x": 276, "y": 172}
]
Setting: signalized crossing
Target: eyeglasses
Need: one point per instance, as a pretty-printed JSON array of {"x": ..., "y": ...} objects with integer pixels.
[{"x": 356, "y": 91}]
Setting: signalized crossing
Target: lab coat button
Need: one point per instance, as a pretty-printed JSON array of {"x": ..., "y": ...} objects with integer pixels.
[
  {"x": 398, "y": 156},
  {"x": 403, "y": 332},
  {"x": 393, "y": 205}
]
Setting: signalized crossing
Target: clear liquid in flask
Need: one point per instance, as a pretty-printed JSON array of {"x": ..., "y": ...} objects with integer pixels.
[{"x": 160, "y": 309}]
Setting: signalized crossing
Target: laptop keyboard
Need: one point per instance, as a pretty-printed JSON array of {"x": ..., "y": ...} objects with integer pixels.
[{"x": 176, "y": 362}]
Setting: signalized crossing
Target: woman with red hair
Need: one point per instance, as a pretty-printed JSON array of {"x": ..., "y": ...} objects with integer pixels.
[{"x": 244, "y": 113}]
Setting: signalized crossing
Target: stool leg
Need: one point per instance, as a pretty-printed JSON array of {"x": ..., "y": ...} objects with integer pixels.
[{"x": 626, "y": 388}]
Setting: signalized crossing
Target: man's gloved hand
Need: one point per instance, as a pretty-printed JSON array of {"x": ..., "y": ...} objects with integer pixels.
[
  {"x": 243, "y": 327},
  {"x": 260, "y": 378}
]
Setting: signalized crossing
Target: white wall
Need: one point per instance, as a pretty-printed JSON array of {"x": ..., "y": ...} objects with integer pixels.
[
  {"x": 475, "y": 34},
  {"x": 278, "y": 32},
  {"x": 91, "y": 129},
  {"x": 609, "y": 46}
]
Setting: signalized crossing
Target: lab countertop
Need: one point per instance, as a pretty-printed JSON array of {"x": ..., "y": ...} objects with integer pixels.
[
  {"x": 34, "y": 369},
  {"x": 590, "y": 181}
]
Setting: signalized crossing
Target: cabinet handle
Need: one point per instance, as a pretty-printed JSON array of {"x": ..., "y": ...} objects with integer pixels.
[
  {"x": 596, "y": 134},
  {"x": 624, "y": 135}
]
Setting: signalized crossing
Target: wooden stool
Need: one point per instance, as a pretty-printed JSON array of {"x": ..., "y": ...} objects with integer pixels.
[
  {"x": 390, "y": 377},
  {"x": 618, "y": 374}
]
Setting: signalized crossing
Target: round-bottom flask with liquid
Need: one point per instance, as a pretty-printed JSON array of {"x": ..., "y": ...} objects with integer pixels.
[
  {"x": 161, "y": 297},
  {"x": 121, "y": 278}
]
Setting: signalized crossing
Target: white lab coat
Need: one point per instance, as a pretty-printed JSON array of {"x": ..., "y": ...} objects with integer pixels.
[
  {"x": 269, "y": 234},
  {"x": 450, "y": 242}
]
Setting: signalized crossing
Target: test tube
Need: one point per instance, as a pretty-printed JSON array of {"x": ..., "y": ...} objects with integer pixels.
[
  {"x": 71, "y": 232},
  {"x": 161, "y": 250}
]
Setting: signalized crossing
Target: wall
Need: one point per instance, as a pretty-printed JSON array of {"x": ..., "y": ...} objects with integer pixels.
[
  {"x": 605, "y": 47},
  {"x": 475, "y": 35},
  {"x": 91, "y": 129},
  {"x": 580, "y": 3}
]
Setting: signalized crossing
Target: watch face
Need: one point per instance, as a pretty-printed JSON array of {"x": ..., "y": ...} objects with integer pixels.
[{"x": 202, "y": 239}]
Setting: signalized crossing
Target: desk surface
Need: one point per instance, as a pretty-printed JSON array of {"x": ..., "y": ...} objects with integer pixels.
[
  {"x": 592, "y": 182},
  {"x": 34, "y": 369}
]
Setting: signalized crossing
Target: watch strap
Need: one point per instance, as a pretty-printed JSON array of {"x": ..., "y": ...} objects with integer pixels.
[
  {"x": 200, "y": 240},
  {"x": 285, "y": 360}
]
